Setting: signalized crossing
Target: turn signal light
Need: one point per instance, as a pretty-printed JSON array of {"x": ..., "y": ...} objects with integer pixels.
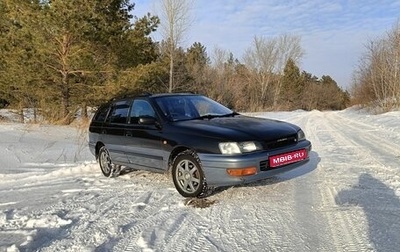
[{"x": 242, "y": 171}]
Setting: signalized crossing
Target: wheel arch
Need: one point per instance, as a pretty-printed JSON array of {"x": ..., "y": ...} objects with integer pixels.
[
  {"x": 175, "y": 152},
  {"x": 97, "y": 148}
]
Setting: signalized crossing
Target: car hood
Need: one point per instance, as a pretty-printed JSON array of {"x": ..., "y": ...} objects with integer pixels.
[{"x": 239, "y": 128}]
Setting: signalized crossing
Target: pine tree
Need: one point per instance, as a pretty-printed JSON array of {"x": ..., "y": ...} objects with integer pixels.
[
  {"x": 61, "y": 55},
  {"x": 292, "y": 85},
  {"x": 19, "y": 73},
  {"x": 196, "y": 65}
]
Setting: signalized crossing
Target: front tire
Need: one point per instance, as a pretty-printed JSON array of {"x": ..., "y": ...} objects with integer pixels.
[{"x": 188, "y": 175}]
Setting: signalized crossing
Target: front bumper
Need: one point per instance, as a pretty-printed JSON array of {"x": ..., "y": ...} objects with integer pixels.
[{"x": 215, "y": 165}]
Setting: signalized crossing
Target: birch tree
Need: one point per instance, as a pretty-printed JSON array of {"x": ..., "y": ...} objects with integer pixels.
[
  {"x": 175, "y": 21},
  {"x": 289, "y": 48},
  {"x": 261, "y": 58},
  {"x": 266, "y": 59}
]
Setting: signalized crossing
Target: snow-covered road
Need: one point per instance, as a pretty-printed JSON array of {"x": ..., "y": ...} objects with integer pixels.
[{"x": 54, "y": 198}]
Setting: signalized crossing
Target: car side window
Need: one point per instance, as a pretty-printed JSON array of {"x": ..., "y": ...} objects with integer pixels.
[
  {"x": 119, "y": 113},
  {"x": 141, "y": 108},
  {"x": 101, "y": 114}
]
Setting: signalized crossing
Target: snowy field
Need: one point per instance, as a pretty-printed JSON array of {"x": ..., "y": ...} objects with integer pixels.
[{"x": 53, "y": 196}]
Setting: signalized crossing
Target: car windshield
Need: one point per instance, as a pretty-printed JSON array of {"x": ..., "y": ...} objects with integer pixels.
[{"x": 191, "y": 107}]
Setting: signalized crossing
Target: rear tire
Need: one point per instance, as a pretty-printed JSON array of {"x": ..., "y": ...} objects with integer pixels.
[
  {"x": 188, "y": 175},
  {"x": 107, "y": 167}
]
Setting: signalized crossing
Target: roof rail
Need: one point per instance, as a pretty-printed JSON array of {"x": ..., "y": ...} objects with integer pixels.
[
  {"x": 185, "y": 92},
  {"x": 130, "y": 95}
]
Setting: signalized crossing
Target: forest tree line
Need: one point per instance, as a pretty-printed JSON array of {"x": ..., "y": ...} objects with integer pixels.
[
  {"x": 59, "y": 57},
  {"x": 377, "y": 78}
]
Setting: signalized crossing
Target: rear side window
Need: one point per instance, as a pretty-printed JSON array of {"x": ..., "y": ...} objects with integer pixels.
[
  {"x": 101, "y": 114},
  {"x": 118, "y": 113}
]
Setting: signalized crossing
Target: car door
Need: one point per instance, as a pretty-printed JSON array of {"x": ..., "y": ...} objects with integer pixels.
[
  {"x": 143, "y": 139},
  {"x": 113, "y": 131}
]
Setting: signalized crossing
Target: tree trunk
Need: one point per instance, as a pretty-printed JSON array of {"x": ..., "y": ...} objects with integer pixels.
[
  {"x": 171, "y": 73},
  {"x": 21, "y": 116},
  {"x": 65, "y": 99},
  {"x": 35, "y": 115},
  {"x": 84, "y": 112}
]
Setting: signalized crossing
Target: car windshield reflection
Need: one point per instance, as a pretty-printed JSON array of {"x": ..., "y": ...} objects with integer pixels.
[{"x": 183, "y": 108}]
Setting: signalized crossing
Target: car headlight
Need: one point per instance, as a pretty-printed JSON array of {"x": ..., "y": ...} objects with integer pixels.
[
  {"x": 238, "y": 148},
  {"x": 300, "y": 135}
]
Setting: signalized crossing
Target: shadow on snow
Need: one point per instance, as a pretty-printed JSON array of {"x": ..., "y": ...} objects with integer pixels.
[{"x": 381, "y": 207}]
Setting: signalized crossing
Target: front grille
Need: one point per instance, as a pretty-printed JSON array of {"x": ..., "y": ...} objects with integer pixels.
[
  {"x": 264, "y": 165},
  {"x": 276, "y": 144},
  {"x": 281, "y": 142}
]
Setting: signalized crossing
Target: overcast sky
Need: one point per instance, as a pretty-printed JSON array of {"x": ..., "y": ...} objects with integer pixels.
[{"x": 333, "y": 33}]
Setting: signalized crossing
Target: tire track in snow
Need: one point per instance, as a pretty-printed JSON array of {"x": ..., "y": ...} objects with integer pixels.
[
  {"x": 233, "y": 222},
  {"x": 316, "y": 185},
  {"x": 181, "y": 229},
  {"x": 309, "y": 197},
  {"x": 201, "y": 239},
  {"x": 249, "y": 226},
  {"x": 175, "y": 233},
  {"x": 377, "y": 147},
  {"x": 349, "y": 222},
  {"x": 380, "y": 156},
  {"x": 132, "y": 218},
  {"x": 133, "y": 233},
  {"x": 191, "y": 234},
  {"x": 92, "y": 216},
  {"x": 312, "y": 130},
  {"x": 377, "y": 156},
  {"x": 347, "y": 233}
]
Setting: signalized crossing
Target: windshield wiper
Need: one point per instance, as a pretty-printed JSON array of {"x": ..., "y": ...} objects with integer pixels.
[
  {"x": 230, "y": 114},
  {"x": 211, "y": 116},
  {"x": 207, "y": 116}
]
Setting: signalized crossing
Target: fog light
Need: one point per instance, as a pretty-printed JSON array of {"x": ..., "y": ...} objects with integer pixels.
[{"x": 242, "y": 171}]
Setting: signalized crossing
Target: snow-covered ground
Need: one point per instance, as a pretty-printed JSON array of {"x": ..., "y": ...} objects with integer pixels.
[{"x": 53, "y": 196}]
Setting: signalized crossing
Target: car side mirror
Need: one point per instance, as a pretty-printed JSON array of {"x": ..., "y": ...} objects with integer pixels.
[{"x": 147, "y": 120}]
